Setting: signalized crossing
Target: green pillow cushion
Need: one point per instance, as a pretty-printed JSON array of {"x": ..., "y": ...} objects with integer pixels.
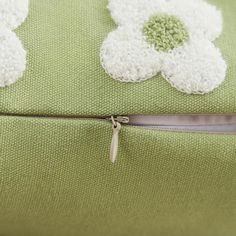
[{"x": 55, "y": 175}]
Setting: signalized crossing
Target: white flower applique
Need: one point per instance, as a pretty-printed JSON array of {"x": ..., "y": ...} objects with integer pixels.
[
  {"x": 171, "y": 37},
  {"x": 12, "y": 54}
]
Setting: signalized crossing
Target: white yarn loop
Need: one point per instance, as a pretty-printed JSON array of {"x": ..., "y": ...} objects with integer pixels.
[
  {"x": 12, "y": 54},
  {"x": 195, "y": 68}
]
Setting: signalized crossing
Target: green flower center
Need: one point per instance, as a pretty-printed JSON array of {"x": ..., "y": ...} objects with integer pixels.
[{"x": 165, "y": 32}]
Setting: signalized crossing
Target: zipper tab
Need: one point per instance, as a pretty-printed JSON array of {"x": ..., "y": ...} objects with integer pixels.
[{"x": 116, "y": 127}]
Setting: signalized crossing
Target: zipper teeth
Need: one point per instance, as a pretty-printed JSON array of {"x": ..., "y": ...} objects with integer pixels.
[
  {"x": 199, "y": 124},
  {"x": 221, "y": 124},
  {"x": 137, "y": 121},
  {"x": 177, "y": 120}
]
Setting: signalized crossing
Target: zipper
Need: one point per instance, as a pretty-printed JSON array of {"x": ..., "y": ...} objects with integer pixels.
[
  {"x": 210, "y": 124},
  {"x": 217, "y": 124},
  {"x": 116, "y": 127}
]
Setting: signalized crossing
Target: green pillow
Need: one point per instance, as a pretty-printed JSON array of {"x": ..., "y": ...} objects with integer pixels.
[{"x": 72, "y": 93}]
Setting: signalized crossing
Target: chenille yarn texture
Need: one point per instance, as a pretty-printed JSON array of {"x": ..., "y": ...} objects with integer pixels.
[
  {"x": 165, "y": 32},
  {"x": 189, "y": 61},
  {"x": 64, "y": 76},
  {"x": 12, "y": 54},
  {"x": 55, "y": 176}
]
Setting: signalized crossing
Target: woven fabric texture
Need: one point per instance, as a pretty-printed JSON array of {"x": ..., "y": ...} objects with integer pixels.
[
  {"x": 56, "y": 179},
  {"x": 55, "y": 175},
  {"x": 64, "y": 75}
]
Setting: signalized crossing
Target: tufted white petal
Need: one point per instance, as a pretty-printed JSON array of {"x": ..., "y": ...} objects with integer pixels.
[
  {"x": 127, "y": 57},
  {"x": 197, "y": 68},
  {"x": 12, "y": 57},
  {"x": 125, "y": 12},
  {"x": 200, "y": 17},
  {"x": 13, "y": 12}
]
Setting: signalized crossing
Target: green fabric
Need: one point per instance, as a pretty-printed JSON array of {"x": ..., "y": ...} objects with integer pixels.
[
  {"x": 56, "y": 180},
  {"x": 165, "y": 32},
  {"x": 64, "y": 75},
  {"x": 55, "y": 175}
]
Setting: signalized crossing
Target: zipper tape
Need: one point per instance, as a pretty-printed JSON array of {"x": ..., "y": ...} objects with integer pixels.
[{"x": 210, "y": 124}]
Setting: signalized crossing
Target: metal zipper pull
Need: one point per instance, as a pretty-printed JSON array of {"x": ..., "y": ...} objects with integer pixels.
[{"x": 116, "y": 127}]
